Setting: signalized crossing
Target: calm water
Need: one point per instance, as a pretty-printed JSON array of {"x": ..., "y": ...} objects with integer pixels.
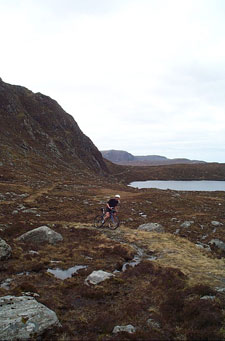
[
  {"x": 181, "y": 185},
  {"x": 64, "y": 274}
]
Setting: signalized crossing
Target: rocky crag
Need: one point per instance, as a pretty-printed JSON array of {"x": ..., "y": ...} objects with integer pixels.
[{"x": 35, "y": 127}]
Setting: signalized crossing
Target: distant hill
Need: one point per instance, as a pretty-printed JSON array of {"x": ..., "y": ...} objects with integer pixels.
[
  {"x": 35, "y": 129},
  {"x": 124, "y": 158}
]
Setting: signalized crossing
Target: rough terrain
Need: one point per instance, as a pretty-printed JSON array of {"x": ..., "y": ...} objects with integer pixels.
[{"x": 176, "y": 290}]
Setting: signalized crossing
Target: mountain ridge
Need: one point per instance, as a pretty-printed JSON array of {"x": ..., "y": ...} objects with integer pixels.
[{"x": 125, "y": 158}]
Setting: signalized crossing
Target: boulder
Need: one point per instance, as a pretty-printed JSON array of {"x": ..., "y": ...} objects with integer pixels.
[
  {"x": 40, "y": 235},
  {"x": 151, "y": 227},
  {"x": 187, "y": 224},
  {"x": 128, "y": 329},
  {"x": 22, "y": 317},
  {"x": 97, "y": 276},
  {"x": 5, "y": 250},
  {"x": 219, "y": 243},
  {"x": 216, "y": 223}
]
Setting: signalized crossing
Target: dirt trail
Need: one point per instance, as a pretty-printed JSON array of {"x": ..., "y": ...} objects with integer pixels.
[{"x": 39, "y": 193}]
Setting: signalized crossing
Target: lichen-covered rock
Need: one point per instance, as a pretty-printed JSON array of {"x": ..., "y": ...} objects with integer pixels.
[
  {"x": 152, "y": 227},
  {"x": 22, "y": 317},
  {"x": 98, "y": 276},
  {"x": 40, "y": 235},
  {"x": 219, "y": 243},
  {"x": 153, "y": 324},
  {"x": 216, "y": 223},
  {"x": 5, "y": 250},
  {"x": 187, "y": 224},
  {"x": 128, "y": 329}
]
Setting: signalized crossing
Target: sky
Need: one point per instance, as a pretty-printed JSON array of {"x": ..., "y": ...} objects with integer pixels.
[{"x": 144, "y": 76}]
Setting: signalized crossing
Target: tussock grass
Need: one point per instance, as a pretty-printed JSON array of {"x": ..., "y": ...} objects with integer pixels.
[{"x": 177, "y": 252}]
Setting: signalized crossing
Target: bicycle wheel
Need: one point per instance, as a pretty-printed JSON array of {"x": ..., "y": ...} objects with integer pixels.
[
  {"x": 98, "y": 221},
  {"x": 114, "y": 223}
]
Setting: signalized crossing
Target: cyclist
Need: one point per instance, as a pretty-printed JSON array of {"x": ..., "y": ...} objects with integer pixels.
[{"x": 111, "y": 206}]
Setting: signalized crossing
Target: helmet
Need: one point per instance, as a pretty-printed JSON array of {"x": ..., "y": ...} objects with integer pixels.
[{"x": 117, "y": 196}]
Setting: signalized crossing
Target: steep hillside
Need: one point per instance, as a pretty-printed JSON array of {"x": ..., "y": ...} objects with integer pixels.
[{"x": 35, "y": 126}]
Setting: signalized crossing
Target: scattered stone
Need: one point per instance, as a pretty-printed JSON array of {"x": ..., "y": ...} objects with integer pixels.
[
  {"x": 3, "y": 227},
  {"x": 207, "y": 297},
  {"x": 23, "y": 317},
  {"x": 128, "y": 329},
  {"x": 187, "y": 224},
  {"x": 5, "y": 250},
  {"x": 130, "y": 219},
  {"x": 21, "y": 207},
  {"x": 152, "y": 227},
  {"x": 177, "y": 231},
  {"x": 219, "y": 243},
  {"x": 216, "y": 223},
  {"x": 30, "y": 210},
  {"x": 221, "y": 290},
  {"x": 15, "y": 212},
  {"x": 34, "y": 253},
  {"x": 153, "y": 324},
  {"x": 41, "y": 234},
  {"x": 97, "y": 276},
  {"x": 6, "y": 284}
]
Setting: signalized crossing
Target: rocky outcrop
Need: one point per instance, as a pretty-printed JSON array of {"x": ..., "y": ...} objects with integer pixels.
[
  {"x": 42, "y": 234},
  {"x": 151, "y": 227},
  {"x": 5, "y": 250},
  {"x": 22, "y": 317},
  {"x": 34, "y": 125}
]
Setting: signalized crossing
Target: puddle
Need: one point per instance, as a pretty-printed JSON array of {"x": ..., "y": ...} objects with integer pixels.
[
  {"x": 64, "y": 274},
  {"x": 137, "y": 259}
]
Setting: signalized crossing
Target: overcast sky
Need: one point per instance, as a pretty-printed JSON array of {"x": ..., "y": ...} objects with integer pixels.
[{"x": 145, "y": 76}]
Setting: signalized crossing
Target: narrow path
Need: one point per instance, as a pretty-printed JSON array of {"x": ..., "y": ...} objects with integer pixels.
[{"x": 39, "y": 193}]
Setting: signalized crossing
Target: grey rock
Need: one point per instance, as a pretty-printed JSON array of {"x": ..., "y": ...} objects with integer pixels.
[
  {"x": 3, "y": 227},
  {"x": 219, "y": 243},
  {"x": 187, "y": 224},
  {"x": 22, "y": 317},
  {"x": 6, "y": 284},
  {"x": 207, "y": 297},
  {"x": 151, "y": 227},
  {"x": 221, "y": 290},
  {"x": 128, "y": 328},
  {"x": 177, "y": 231},
  {"x": 216, "y": 223},
  {"x": 40, "y": 235},
  {"x": 153, "y": 324},
  {"x": 5, "y": 250},
  {"x": 98, "y": 276},
  {"x": 30, "y": 210}
]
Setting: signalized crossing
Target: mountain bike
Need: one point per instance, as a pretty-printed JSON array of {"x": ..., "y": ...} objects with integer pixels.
[{"x": 112, "y": 222}]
